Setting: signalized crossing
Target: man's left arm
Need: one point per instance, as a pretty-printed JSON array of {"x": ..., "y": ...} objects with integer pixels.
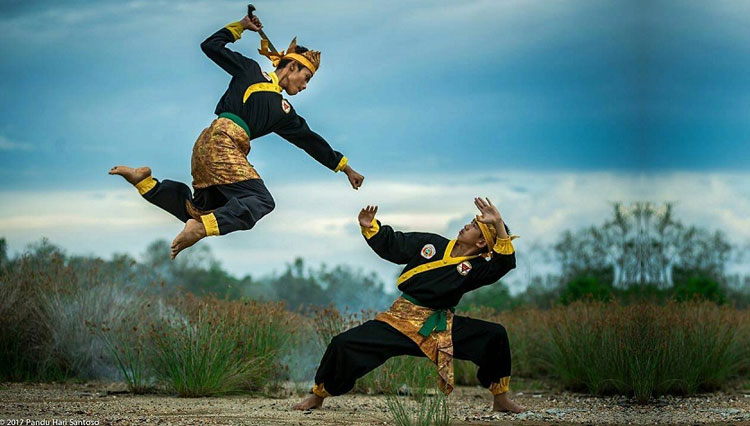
[
  {"x": 232, "y": 62},
  {"x": 487, "y": 272},
  {"x": 298, "y": 133},
  {"x": 503, "y": 255}
]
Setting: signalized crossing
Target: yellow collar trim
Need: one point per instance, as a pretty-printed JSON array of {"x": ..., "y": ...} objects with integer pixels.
[
  {"x": 273, "y": 86},
  {"x": 274, "y": 77},
  {"x": 260, "y": 87},
  {"x": 445, "y": 261}
]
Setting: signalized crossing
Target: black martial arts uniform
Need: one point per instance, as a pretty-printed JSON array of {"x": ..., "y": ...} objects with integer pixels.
[
  {"x": 432, "y": 279},
  {"x": 229, "y": 194}
]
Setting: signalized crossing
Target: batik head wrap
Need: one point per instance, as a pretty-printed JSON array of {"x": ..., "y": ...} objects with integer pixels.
[
  {"x": 309, "y": 59},
  {"x": 489, "y": 233}
]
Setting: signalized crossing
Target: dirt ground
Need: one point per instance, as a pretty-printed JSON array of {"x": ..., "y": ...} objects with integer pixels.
[{"x": 109, "y": 404}]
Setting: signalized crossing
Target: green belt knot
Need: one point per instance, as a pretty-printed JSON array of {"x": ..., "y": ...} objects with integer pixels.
[{"x": 438, "y": 321}]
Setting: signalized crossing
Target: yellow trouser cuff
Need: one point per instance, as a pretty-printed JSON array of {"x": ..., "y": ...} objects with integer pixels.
[
  {"x": 212, "y": 226},
  {"x": 372, "y": 230},
  {"x": 236, "y": 29},
  {"x": 145, "y": 185},
  {"x": 320, "y": 391},
  {"x": 500, "y": 387},
  {"x": 504, "y": 245},
  {"x": 341, "y": 165}
]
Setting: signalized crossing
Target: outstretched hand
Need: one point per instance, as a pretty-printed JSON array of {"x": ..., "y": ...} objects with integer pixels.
[
  {"x": 366, "y": 215},
  {"x": 489, "y": 213}
]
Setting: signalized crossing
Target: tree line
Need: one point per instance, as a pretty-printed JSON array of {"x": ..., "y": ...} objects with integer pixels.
[{"x": 641, "y": 252}]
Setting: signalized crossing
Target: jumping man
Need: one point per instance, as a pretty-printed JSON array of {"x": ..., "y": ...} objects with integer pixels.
[
  {"x": 438, "y": 272},
  {"x": 228, "y": 194}
]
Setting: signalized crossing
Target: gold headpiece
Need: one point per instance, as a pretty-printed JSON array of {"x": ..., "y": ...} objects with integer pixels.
[
  {"x": 310, "y": 59},
  {"x": 490, "y": 236},
  {"x": 488, "y": 232}
]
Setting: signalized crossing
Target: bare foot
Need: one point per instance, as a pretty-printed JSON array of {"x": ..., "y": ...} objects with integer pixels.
[
  {"x": 311, "y": 402},
  {"x": 503, "y": 403},
  {"x": 190, "y": 235},
  {"x": 130, "y": 174}
]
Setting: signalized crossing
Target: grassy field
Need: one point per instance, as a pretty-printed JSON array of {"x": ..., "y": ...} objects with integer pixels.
[{"x": 63, "y": 321}]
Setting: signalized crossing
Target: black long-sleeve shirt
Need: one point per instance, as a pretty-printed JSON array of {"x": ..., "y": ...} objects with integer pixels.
[
  {"x": 444, "y": 281},
  {"x": 263, "y": 112}
]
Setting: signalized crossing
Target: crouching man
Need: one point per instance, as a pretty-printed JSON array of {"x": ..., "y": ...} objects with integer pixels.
[{"x": 421, "y": 322}]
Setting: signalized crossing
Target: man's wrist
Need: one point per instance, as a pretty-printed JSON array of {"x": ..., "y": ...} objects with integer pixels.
[
  {"x": 371, "y": 230},
  {"x": 236, "y": 28},
  {"x": 500, "y": 229}
]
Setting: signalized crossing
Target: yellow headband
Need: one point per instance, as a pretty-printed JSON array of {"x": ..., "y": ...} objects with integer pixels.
[
  {"x": 489, "y": 233},
  {"x": 309, "y": 59},
  {"x": 302, "y": 60}
]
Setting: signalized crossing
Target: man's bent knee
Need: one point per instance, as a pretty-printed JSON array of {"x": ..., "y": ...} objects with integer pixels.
[
  {"x": 269, "y": 203},
  {"x": 498, "y": 332}
]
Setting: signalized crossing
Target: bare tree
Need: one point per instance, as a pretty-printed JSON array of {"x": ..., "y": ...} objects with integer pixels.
[{"x": 642, "y": 244}]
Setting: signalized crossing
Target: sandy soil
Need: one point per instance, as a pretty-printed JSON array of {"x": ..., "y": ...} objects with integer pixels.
[{"x": 108, "y": 404}]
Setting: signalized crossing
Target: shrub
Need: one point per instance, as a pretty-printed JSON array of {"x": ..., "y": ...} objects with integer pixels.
[{"x": 220, "y": 346}]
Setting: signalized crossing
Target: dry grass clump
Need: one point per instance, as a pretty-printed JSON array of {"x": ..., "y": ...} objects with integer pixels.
[{"x": 220, "y": 346}]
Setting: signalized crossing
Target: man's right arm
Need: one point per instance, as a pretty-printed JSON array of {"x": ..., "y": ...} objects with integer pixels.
[
  {"x": 215, "y": 48},
  {"x": 394, "y": 246}
]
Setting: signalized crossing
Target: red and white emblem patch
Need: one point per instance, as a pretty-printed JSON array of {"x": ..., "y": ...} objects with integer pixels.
[
  {"x": 285, "y": 106},
  {"x": 428, "y": 251},
  {"x": 268, "y": 77},
  {"x": 464, "y": 267}
]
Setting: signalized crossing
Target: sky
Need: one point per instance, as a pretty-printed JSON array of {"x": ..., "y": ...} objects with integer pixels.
[{"x": 552, "y": 109}]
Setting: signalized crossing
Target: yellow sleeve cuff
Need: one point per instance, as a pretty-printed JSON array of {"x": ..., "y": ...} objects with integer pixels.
[
  {"x": 341, "y": 165},
  {"x": 372, "y": 230},
  {"x": 145, "y": 185},
  {"x": 504, "y": 245},
  {"x": 236, "y": 29},
  {"x": 210, "y": 223}
]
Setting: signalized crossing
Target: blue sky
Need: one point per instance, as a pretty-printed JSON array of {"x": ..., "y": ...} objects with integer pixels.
[{"x": 412, "y": 92}]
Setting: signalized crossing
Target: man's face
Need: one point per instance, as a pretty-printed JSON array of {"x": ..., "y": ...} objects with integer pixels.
[
  {"x": 297, "y": 80},
  {"x": 470, "y": 234}
]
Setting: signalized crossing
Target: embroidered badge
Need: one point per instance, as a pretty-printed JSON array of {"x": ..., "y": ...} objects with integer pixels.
[
  {"x": 464, "y": 267},
  {"x": 285, "y": 106},
  {"x": 268, "y": 77},
  {"x": 428, "y": 251}
]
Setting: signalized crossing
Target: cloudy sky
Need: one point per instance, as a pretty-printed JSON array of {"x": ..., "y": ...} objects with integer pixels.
[{"x": 552, "y": 109}]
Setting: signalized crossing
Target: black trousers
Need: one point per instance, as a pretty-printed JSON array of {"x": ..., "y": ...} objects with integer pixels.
[
  {"x": 359, "y": 350},
  {"x": 236, "y": 206}
]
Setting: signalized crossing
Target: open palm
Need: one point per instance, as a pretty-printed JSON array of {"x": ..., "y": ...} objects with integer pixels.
[
  {"x": 366, "y": 215},
  {"x": 489, "y": 213}
]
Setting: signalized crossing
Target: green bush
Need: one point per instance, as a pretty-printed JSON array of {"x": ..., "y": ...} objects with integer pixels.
[
  {"x": 699, "y": 287},
  {"x": 585, "y": 287}
]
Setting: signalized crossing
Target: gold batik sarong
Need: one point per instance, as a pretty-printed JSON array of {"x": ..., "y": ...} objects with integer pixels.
[
  {"x": 408, "y": 318},
  {"x": 220, "y": 155}
]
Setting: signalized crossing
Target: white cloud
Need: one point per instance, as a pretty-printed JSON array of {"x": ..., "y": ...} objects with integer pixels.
[
  {"x": 12, "y": 145},
  {"x": 317, "y": 220}
]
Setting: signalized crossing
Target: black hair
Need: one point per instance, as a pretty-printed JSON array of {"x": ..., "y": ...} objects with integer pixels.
[{"x": 297, "y": 49}]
